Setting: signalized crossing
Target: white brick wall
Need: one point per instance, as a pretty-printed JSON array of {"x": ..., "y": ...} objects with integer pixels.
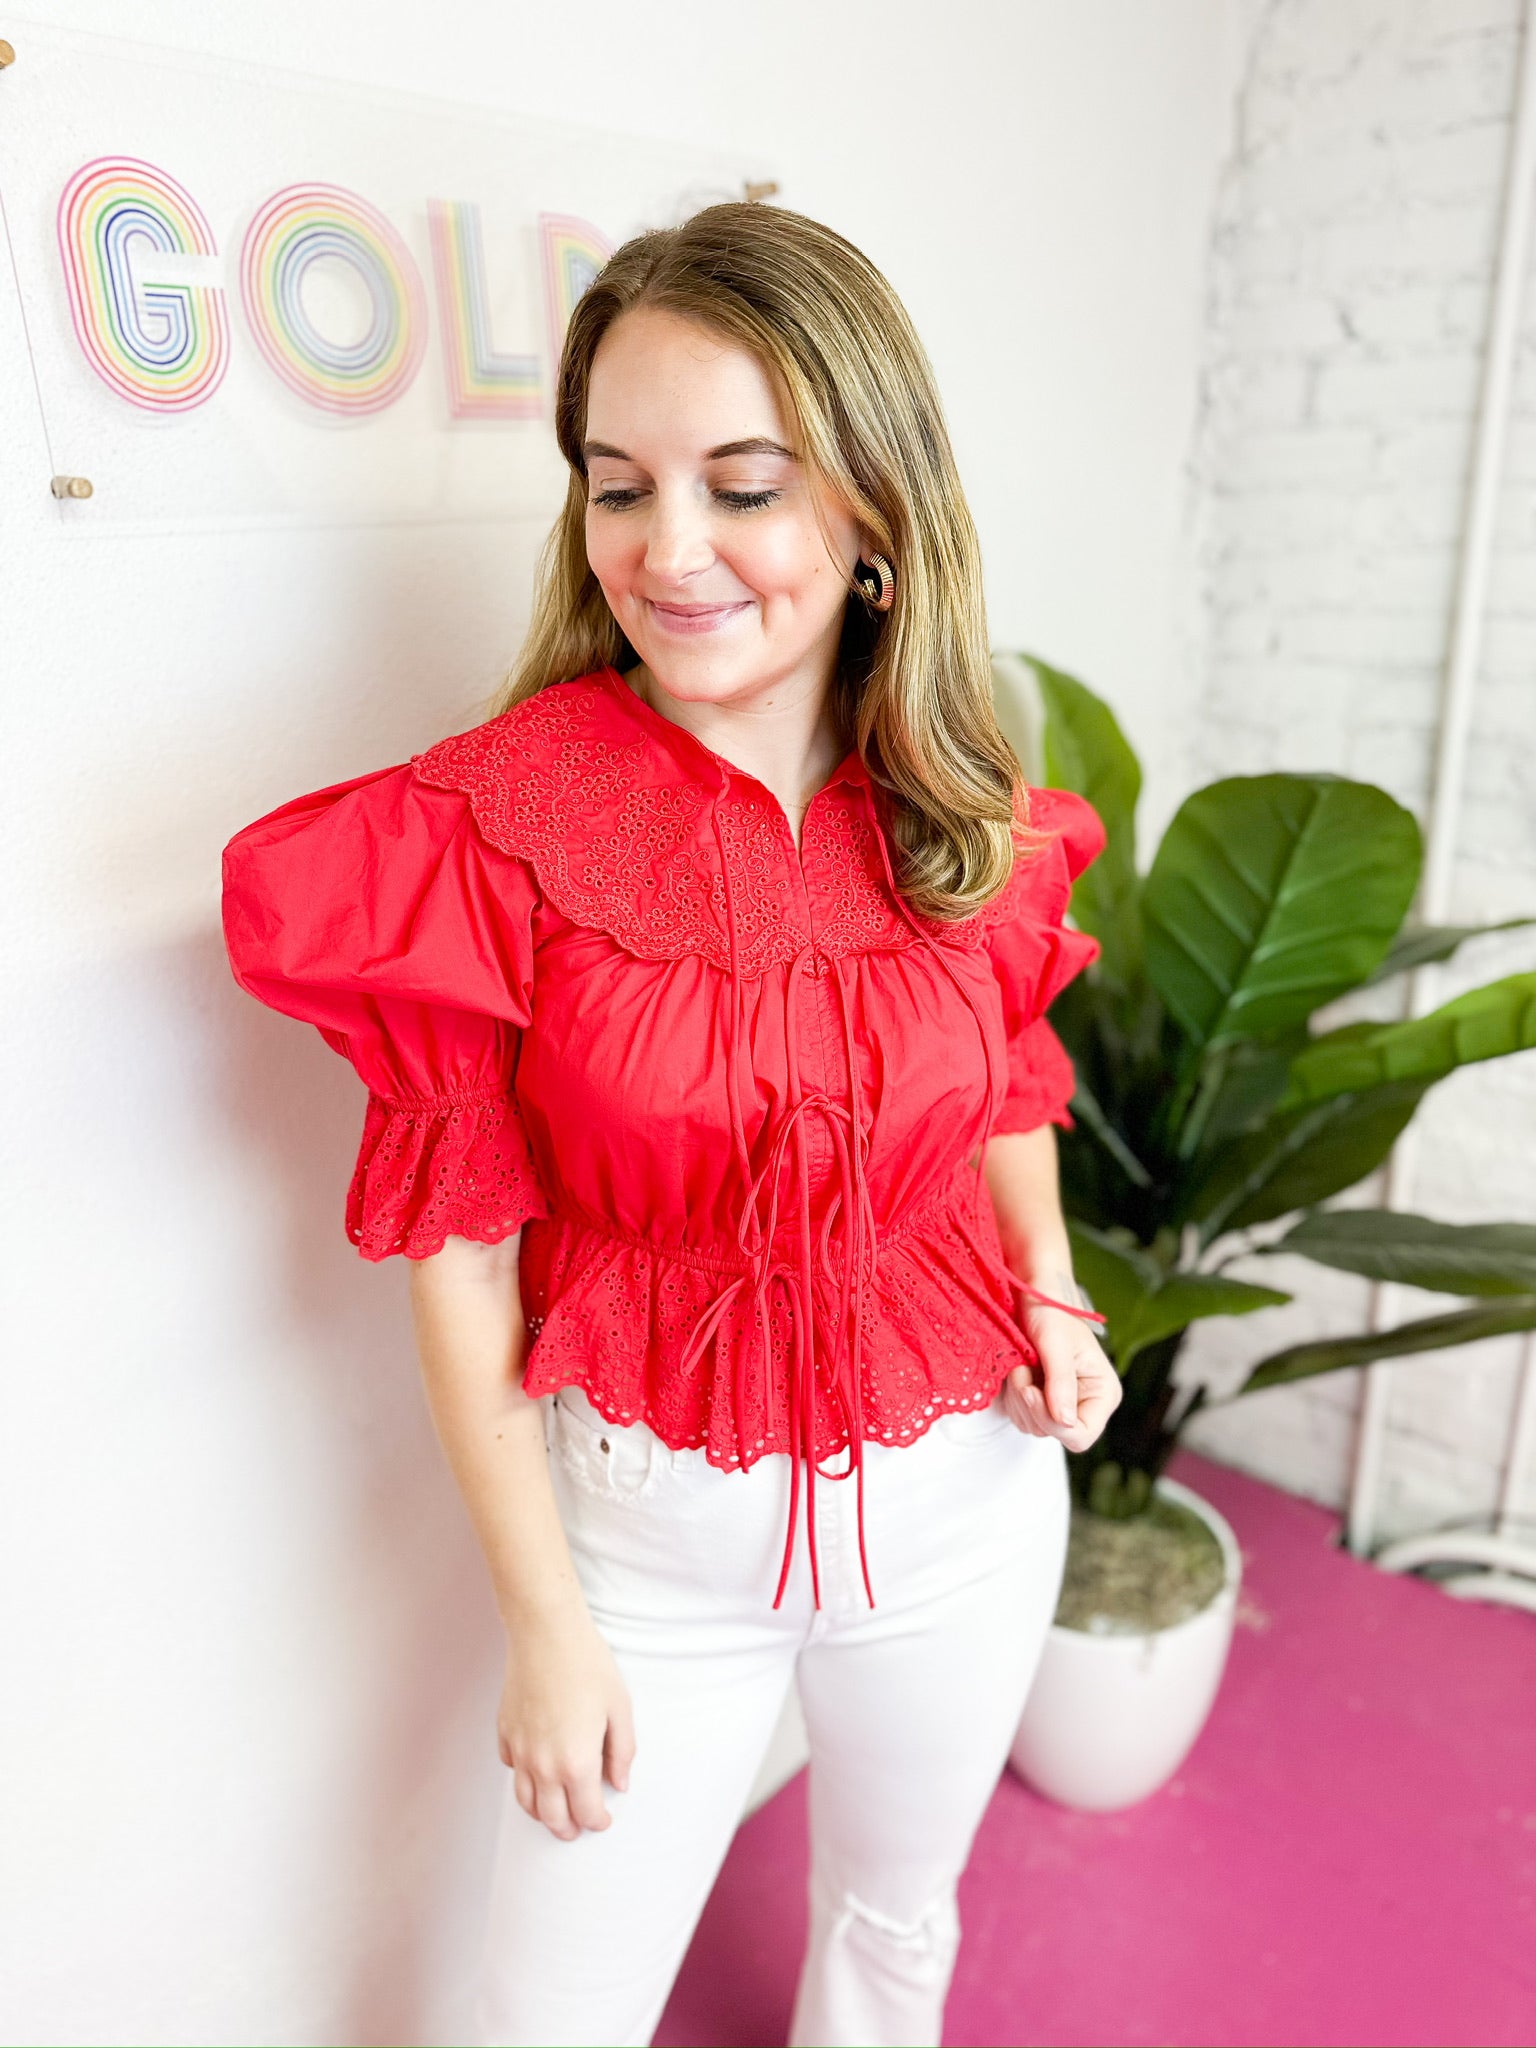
[{"x": 1350, "y": 289}]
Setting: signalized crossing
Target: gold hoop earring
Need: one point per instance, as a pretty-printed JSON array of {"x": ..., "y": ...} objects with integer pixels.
[{"x": 883, "y": 595}]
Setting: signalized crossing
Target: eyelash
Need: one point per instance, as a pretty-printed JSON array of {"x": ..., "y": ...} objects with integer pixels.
[{"x": 738, "y": 501}]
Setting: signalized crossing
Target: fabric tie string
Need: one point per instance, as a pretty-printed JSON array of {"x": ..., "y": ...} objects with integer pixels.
[
  {"x": 853, "y": 1274},
  {"x": 756, "y": 1234}
]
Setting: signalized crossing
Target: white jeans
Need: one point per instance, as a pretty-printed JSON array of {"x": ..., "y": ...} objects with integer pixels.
[{"x": 910, "y": 1707}]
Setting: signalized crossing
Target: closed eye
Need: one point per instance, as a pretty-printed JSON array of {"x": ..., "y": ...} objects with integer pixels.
[{"x": 618, "y": 500}]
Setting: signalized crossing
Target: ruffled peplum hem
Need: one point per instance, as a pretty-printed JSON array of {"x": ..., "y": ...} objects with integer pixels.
[
  {"x": 614, "y": 1315},
  {"x": 458, "y": 1166}
]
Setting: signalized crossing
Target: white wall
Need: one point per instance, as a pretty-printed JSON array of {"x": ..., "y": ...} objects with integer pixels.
[
  {"x": 1351, "y": 281},
  {"x": 259, "y": 1660}
]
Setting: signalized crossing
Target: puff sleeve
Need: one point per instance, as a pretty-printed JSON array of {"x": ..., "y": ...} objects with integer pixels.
[
  {"x": 1035, "y": 955},
  {"x": 374, "y": 911}
]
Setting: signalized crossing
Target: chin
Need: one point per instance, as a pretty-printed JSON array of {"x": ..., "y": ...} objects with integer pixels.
[{"x": 705, "y": 674}]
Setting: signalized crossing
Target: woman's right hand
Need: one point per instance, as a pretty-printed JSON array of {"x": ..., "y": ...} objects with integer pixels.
[{"x": 565, "y": 1722}]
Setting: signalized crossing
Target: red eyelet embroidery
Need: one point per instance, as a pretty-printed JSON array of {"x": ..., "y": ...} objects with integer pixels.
[
  {"x": 619, "y": 848},
  {"x": 611, "y": 1314},
  {"x": 428, "y": 1171}
]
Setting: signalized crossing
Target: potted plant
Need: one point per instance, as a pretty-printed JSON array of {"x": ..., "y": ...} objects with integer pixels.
[{"x": 1214, "y": 1120}]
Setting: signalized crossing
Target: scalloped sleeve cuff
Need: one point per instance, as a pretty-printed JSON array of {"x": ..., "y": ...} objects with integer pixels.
[{"x": 459, "y": 1166}]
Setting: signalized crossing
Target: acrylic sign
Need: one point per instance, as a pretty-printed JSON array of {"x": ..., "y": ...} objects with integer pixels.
[{"x": 165, "y": 345}]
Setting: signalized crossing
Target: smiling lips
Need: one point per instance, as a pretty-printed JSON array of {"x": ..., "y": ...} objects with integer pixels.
[{"x": 694, "y": 618}]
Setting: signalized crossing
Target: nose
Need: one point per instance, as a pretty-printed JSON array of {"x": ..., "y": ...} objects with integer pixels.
[{"x": 677, "y": 543}]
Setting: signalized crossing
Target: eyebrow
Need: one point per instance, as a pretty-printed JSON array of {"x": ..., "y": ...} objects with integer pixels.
[{"x": 759, "y": 444}]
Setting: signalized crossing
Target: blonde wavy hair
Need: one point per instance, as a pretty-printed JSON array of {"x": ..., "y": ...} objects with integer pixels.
[{"x": 913, "y": 688}]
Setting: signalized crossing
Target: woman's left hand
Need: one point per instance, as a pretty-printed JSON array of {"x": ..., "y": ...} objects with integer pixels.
[{"x": 1073, "y": 1391}]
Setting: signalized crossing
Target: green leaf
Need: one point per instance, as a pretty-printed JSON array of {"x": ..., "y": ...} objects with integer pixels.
[
  {"x": 1433, "y": 1333},
  {"x": 1086, "y": 751},
  {"x": 1143, "y": 1303},
  {"x": 1272, "y": 895},
  {"x": 1415, "y": 1251},
  {"x": 1425, "y": 944},
  {"x": 1299, "y": 1158},
  {"x": 1485, "y": 1024},
  {"x": 1115, "y": 1275},
  {"x": 1252, "y": 1080},
  {"x": 1186, "y": 1298}
]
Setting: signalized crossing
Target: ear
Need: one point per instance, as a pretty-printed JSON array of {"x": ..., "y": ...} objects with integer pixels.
[
  {"x": 862, "y": 547},
  {"x": 842, "y": 531}
]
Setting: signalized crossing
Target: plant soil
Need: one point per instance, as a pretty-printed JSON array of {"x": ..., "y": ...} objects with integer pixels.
[{"x": 1142, "y": 1573}]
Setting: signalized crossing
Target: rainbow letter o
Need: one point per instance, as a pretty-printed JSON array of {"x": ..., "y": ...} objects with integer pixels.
[
  {"x": 161, "y": 346},
  {"x": 297, "y": 227}
]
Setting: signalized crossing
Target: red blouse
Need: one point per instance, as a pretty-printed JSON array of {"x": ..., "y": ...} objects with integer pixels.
[{"x": 726, "y": 1089}]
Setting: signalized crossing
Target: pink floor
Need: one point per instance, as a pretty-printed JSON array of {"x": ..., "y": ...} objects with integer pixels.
[{"x": 1348, "y": 1855}]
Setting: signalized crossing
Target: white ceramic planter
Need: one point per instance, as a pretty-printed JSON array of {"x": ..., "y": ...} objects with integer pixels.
[{"x": 1110, "y": 1718}]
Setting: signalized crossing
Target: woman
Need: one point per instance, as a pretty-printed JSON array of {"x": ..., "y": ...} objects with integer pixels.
[{"x": 699, "y": 994}]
